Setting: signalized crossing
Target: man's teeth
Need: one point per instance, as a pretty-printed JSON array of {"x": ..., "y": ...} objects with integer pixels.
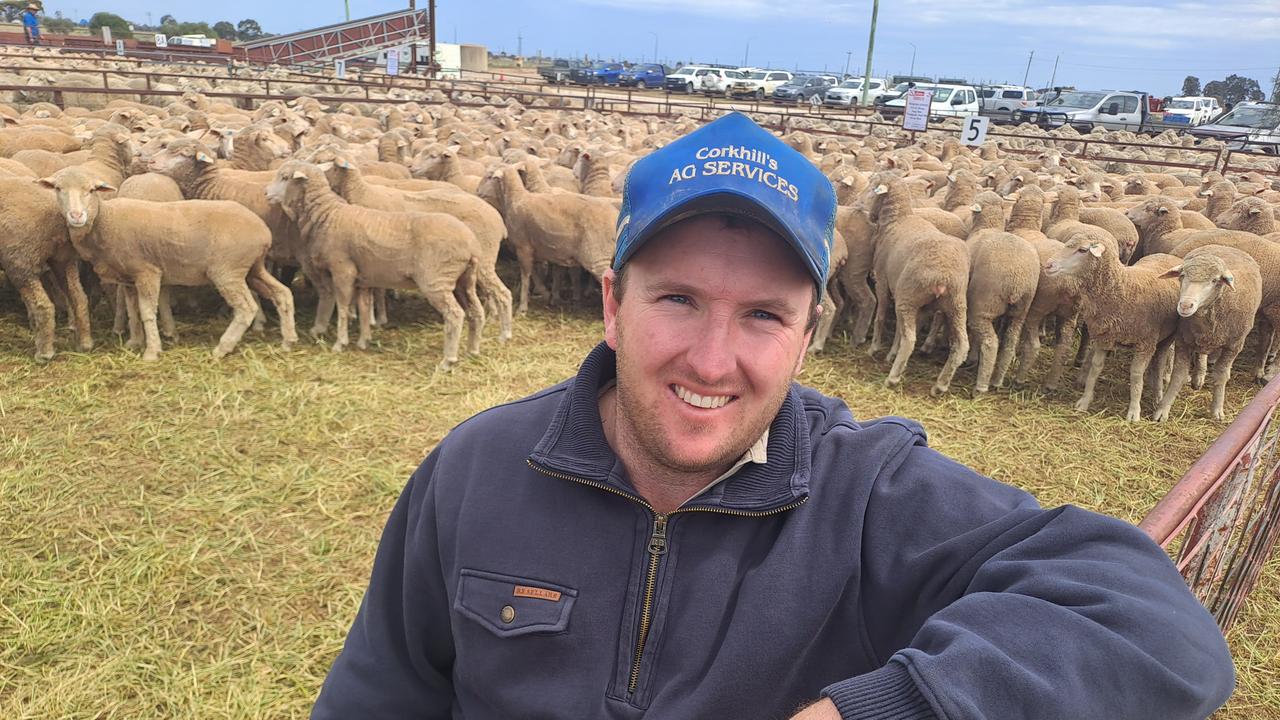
[{"x": 708, "y": 402}]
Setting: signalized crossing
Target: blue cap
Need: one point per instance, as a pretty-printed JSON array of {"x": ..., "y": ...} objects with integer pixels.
[{"x": 730, "y": 165}]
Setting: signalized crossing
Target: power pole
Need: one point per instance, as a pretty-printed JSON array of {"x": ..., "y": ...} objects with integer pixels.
[
  {"x": 1028, "y": 72},
  {"x": 1275, "y": 87},
  {"x": 519, "y": 45},
  {"x": 1055, "y": 71},
  {"x": 871, "y": 46},
  {"x": 848, "y": 57},
  {"x": 746, "y": 53}
]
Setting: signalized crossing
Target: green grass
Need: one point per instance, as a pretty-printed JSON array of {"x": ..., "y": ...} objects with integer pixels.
[{"x": 190, "y": 538}]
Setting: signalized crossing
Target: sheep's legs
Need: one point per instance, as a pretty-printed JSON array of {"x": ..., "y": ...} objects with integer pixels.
[
  {"x": 147, "y": 287},
  {"x": 40, "y": 312},
  {"x": 1202, "y": 369},
  {"x": 265, "y": 284},
  {"x": 78, "y": 304},
  {"x": 132, "y": 317},
  {"x": 864, "y": 303},
  {"x": 954, "y": 308},
  {"x": 472, "y": 309},
  {"x": 1267, "y": 347},
  {"x": 825, "y": 322},
  {"x": 1008, "y": 344},
  {"x": 1181, "y": 372},
  {"x": 904, "y": 342},
  {"x": 1137, "y": 374},
  {"x": 120, "y": 299},
  {"x": 243, "y": 307},
  {"x": 881, "y": 317},
  {"x": 364, "y": 310},
  {"x": 443, "y": 301},
  {"x": 1061, "y": 349},
  {"x": 344, "y": 282},
  {"x": 1030, "y": 350},
  {"x": 988, "y": 342},
  {"x": 494, "y": 289},
  {"x": 524, "y": 257},
  {"x": 168, "y": 329},
  {"x": 1097, "y": 359},
  {"x": 1222, "y": 373}
]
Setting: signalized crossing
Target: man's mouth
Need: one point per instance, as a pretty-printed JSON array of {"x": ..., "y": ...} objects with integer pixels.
[{"x": 706, "y": 402}]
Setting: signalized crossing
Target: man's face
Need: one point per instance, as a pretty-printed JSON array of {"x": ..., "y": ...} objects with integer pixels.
[{"x": 709, "y": 336}]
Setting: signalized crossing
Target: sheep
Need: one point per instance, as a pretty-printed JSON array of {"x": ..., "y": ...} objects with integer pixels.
[
  {"x": 1267, "y": 255},
  {"x": 1066, "y": 220},
  {"x": 1160, "y": 223},
  {"x": 110, "y": 154},
  {"x": 44, "y": 162},
  {"x": 1121, "y": 306},
  {"x": 919, "y": 266},
  {"x": 433, "y": 253},
  {"x": 445, "y": 165},
  {"x": 33, "y": 238},
  {"x": 1003, "y": 272},
  {"x": 595, "y": 176},
  {"x": 1221, "y": 195},
  {"x": 1250, "y": 214},
  {"x": 32, "y": 138},
  {"x": 193, "y": 242},
  {"x": 1221, "y": 291},
  {"x": 564, "y": 229},
  {"x": 483, "y": 221}
]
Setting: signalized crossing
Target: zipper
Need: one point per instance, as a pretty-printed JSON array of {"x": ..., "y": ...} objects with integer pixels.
[{"x": 657, "y": 548}]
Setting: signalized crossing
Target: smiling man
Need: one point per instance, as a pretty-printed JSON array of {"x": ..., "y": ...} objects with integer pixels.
[{"x": 681, "y": 531}]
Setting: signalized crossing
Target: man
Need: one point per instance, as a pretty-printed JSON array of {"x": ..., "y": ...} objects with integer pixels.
[
  {"x": 682, "y": 532},
  {"x": 31, "y": 24}
]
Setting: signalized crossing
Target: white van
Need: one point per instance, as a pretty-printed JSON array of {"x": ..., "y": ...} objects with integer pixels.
[
  {"x": 849, "y": 92},
  {"x": 1006, "y": 98},
  {"x": 948, "y": 100},
  {"x": 1191, "y": 110}
]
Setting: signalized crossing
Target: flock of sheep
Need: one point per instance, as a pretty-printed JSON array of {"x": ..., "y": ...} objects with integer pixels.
[{"x": 984, "y": 252}]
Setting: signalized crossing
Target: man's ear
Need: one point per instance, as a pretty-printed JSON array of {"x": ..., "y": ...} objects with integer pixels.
[{"x": 608, "y": 292}]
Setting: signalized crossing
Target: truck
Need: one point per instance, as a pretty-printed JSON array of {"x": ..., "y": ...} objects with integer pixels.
[
  {"x": 1086, "y": 109},
  {"x": 1250, "y": 126},
  {"x": 557, "y": 72}
]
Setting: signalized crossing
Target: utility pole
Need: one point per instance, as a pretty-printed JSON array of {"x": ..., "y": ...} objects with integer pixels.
[
  {"x": 1055, "y": 71},
  {"x": 746, "y": 53},
  {"x": 871, "y": 46},
  {"x": 519, "y": 44},
  {"x": 1028, "y": 72},
  {"x": 347, "y": 3},
  {"x": 912, "y": 71},
  {"x": 1275, "y": 87},
  {"x": 655, "y": 45},
  {"x": 848, "y": 57}
]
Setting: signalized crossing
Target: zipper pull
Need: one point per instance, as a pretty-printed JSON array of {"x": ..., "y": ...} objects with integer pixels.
[{"x": 658, "y": 540}]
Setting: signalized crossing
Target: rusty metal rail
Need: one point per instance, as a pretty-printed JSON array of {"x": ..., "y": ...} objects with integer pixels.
[{"x": 1224, "y": 514}]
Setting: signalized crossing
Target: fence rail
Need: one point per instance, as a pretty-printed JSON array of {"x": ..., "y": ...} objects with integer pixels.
[{"x": 1223, "y": 516}]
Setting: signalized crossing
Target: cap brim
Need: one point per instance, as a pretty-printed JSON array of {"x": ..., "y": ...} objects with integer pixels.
[{"x": 720, "y": 201}]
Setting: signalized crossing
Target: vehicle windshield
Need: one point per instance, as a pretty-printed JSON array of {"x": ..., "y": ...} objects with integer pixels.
[
  {"x": 683, "y": 71},
  {"x": 1077, "y": 100},
  {"x": 1182, "y": 105},
  {"x": 1255, "y": 117},
  {"x": 855, "y": 84},
  {"x": 940, "y": 94},
  {"x": 799, "y": 81},
  {"x": 757, "y": 76}
]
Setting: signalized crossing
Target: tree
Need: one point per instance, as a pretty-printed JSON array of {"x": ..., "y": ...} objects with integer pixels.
[
  {"x": 168, "y": 20},
  {"x": 248, "y": 29},
  {"x": 224, "y": 30},
  {"x": 1191, "y": 86},
  {"x": 119, "y": 26},
  {"x": 1234, "y": 89},
  {"x": 59, "y": 25}
]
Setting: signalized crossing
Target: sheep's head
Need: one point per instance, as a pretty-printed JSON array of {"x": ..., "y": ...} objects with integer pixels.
[
  {"x": 1078, "y": 254},
  {"x": 183, "y": 157},
  {"x": 288, "y": 188},
  {"x": 76, "y": 190},
  {"x": 1151, "y": 211},
  {"x": 1203, "y": 276}
]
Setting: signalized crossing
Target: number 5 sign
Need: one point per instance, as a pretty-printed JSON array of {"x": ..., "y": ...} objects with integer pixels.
[{"x": 974, "y": 130}]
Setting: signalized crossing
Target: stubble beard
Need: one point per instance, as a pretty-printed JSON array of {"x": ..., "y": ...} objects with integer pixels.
[{"x": 643, "y": 430}]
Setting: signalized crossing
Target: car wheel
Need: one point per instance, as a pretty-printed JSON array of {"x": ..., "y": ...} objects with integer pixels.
[
  {"x": 760, "y": 95},
  {"x": 688, "y": 88},
  {"x": 800, "y": 100}
]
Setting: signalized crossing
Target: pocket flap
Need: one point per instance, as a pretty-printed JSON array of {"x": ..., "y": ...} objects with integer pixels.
[{"x": 509, "y": 606}]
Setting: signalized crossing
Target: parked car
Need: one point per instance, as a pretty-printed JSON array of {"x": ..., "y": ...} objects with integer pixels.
[
  {"x": 683, "y": 80},
  {"x": 1087, "y": 109},
  {"x": 1006, "y": 98},
  {"x": 1191, "y": 110},
  {"x": 800, "y": 90},
  {"x": 849, "y": 92},
  {"x": 948, "y": 100},
  {"x": 718, "y": 81},
  {"x": 759, "y": 83},
  {"x": 558, "y": 71},
  {"x": 1252, "y": 126},
  {"x": 650, "y": 76},
  {"x": 599, "y": 73}
]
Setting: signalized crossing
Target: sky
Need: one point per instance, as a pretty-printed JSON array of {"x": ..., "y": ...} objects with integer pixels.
[{"x": 1143, "y": 45}]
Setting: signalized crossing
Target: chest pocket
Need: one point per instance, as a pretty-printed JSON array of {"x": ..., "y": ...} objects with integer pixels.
[{"x": 510, "y": 606}]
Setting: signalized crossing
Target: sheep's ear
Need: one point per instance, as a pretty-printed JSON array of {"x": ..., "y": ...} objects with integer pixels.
[
  {"x": 881, "y": 189},
  {"x": 203, "y": 157},
  {"x": 1096, "y": 249},
  {"x": 402, "y": 143},
  {"x": 1173, "y": 272},
  {"x": 1163, "y": 210},
  {"x": 846, "y": 181},
  {"x": 1229, "y": 280},
  {"x": 1073, "y": 181},
  {"x": 1255, "y": 210},
  {"x": 299, "y": 175},
  {"x": 325, "y": 166},
  {"x": 1206, "y": 193},
  {"x": 104, "y": 186},
  {"x": 976, "y": 207},
  {"x": 47, "y": 182},
  {"x": 342, "y": 163}
]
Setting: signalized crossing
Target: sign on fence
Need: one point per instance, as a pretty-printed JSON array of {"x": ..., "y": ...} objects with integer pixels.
[
  {"x": 393, "y": 62},
  {"x": 340, "y": 69},
  {"x": 119, "y": 47},
  {"x": 161, "y": 40},
  {"x": 916, "y": 116},
  {"x": 106, "y": 35},
  {"x": 974, "y": 130}
]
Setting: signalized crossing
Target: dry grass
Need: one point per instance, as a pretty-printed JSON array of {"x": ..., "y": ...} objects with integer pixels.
[{"x": 191, "y": 539}]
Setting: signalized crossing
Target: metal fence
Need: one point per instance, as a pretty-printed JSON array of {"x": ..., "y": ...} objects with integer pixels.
[{"x": 1223, "y": 518}]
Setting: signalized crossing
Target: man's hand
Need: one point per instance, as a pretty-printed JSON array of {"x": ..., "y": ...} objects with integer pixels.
[{"x": 824, "y": 709}]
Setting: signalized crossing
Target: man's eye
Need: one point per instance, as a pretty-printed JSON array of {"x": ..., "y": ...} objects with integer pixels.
[
  {"x": 679, "y": 299},
  {"x": 763, "y": 315}
]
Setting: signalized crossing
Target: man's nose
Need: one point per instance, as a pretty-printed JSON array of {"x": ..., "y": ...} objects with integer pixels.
[{"x": 712, "y": 355}]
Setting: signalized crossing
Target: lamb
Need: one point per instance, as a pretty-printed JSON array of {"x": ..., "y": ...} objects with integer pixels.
[
  {"x": 1221, "y": 195},
  {"x": 564, "y": 229},
  {"x": 33, "y": 238},
  {"x": 445, "y": 165},
  {"x": 1057, "y": 296},
  {"x": 594, "y": 174},
  {"x": 1003, "y": 272},
  {"x": 33, "y": 138},
  {"x": 110, "y": 154},
  {"x": 1250, "y": 214},
  {"x": 1066, "y": 220},
  {"x": 433, "y": 253},
  {"x": 919, "y": 266},
  {"x": 1121, "y": 306},
  {"x": 483, "y": 221},
  {"x": 193, "y": 242},
  {"x": 150, "y": 186},
  {"x": 44, "y": 162},
  {"x": 1221, "y": 291},
  {"x": 1160, "y": 224}
]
